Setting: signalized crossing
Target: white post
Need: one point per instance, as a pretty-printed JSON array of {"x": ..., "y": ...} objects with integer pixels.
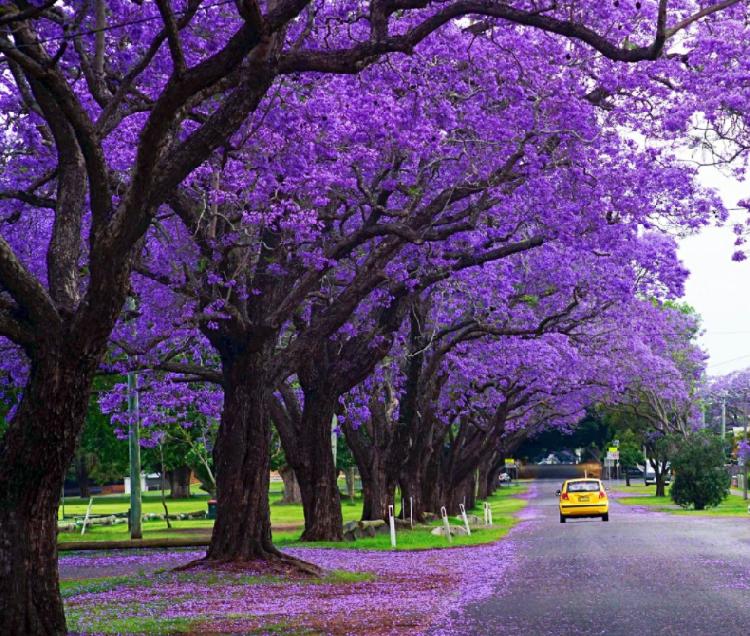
[
  {"x": 393, "y": 526},
  {"x": 411, "y": 512},
  {"x": 446, "y": 523},
  {"x": 487, "y": 514},
  {"x": 86, "y": 518},
  {"x": 462, "y": 508}
]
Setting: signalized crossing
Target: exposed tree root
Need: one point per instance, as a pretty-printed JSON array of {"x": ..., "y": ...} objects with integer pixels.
[{"x": 272, "y": 562}]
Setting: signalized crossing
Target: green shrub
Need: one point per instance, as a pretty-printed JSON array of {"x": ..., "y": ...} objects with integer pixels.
[{"x": 700, "y": 477}]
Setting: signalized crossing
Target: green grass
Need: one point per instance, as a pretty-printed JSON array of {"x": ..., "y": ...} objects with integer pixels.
[
  {"x": 281, "y": 515},
  {"x": 107, "y": 624},
  {"x": 732, "y": 506},
  {"x": 151, "y": 502},
  {"x": 505, "y": 503}
]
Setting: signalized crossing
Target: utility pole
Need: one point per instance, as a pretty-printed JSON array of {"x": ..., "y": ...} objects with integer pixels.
[
  {"x": 723, "y": 425},
  {"x": 134, "y": 434},
  {"x": 334, "y": 438},
  {"x": 744, "y": 478}
]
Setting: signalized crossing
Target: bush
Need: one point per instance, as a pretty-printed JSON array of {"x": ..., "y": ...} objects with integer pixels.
[{"x": 700, "y": 477}]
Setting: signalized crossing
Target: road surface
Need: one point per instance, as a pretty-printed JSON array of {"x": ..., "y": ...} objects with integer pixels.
[{"x": 641, "y": 574}]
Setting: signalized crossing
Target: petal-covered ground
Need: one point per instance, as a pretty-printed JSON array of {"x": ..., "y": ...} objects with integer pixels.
[{"x": 372, "y": 592}]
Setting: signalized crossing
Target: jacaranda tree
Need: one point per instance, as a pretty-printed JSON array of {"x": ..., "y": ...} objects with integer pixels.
[{"x": 113, "y": 110}]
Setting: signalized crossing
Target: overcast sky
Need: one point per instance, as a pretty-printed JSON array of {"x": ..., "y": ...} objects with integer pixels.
[{"x": 718, "y": 288}]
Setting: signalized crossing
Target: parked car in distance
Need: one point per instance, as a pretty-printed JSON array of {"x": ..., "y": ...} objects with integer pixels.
[
  {"x": 649, "y": 474},
  {"x": 583, "y": 498}
]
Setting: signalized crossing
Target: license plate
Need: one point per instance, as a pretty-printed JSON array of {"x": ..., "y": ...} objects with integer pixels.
[{"x": 583, "y": 498}]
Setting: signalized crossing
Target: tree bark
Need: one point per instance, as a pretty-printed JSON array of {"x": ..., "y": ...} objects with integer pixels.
[
  {"x": 179, "y": 482},
  {"x": 350, "y": 476},
  {"x": 242, "y": 531},
  {"x": 292, "y": 493},
  {"x": 35, "y": 453},
  {"x": 312, "y": 461},
  {"x": 82, "y": 476},
  {"x": 378, "y": 492},
  {"x": 483, "y": 478},
  {"x": 370, "y": 451}
]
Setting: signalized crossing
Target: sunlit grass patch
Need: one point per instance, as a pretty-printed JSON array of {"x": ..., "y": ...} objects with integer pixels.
[
  {"x": 732, "y": 506},
  {"x": 505, "y": 503}
]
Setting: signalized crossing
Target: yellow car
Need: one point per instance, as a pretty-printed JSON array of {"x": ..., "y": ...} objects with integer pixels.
[{"x": 583, "y": 498}]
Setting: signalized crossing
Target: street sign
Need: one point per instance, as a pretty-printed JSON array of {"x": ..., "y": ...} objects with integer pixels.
[
  {"x": 510, "y": 463},
  {"x": 613, "y": 454},
  {"x": 613, "y": 449},
  {"x": 616, "y": 443}
]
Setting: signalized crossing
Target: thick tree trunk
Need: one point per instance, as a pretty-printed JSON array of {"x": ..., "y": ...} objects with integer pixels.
[
  {"x": 378, "y": 492},
  {"x": 660, "y": 486},
  {"x": 371, "y": 453},
  {"x": 35, "y": 453},
  {"x": 179, "y": 482},
  {"x": 316, "y": 472},
  {"x": 455, "y": 494},
  {"x": 350, "y": 476},
  {"x": 82, "y": 476},
  {"x": 292, "y": 493},
  {"x": 242, "y": 531},
  {"x": 483, "y": 479},
  {"x": 413, "y": 488}
]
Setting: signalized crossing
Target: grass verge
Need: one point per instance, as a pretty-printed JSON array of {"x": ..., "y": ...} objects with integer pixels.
[{"x": 732, "y": 506}]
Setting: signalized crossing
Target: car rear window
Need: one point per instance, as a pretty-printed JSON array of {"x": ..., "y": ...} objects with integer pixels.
[{"x": 583, "y": 486}]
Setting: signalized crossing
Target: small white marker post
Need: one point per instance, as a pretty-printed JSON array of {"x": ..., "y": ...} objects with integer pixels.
[
  {"x": 446, "y": 523},
  {"x": 487, "y": 514},
  {"x": 393, "y": 526},
  {"x": 411, "y": 512},
  {"x": 86, "y": 518},
  {"x": 462, "y": 508}
]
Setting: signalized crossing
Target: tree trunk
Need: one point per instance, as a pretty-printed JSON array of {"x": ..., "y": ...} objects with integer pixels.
[
  {"x": 660, "y": 486},
  {"x": 483, "y": 477},
  {"x": 413, "y": 490},
  {"x": 82, "y": 476},
  {"x": 312, "y": 460},
  {"x": 370, "y": 451},
  {"x": 242, "y": 531},
  {"x": 378, "y": 492},
  {"x": 292, "y": 493},
  {"x": 350, "y": 476},
  {"x": 35, "y": 453},
  {"x": 179, "y": 482}
]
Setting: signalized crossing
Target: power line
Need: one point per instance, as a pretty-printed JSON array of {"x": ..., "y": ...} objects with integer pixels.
[{"x": 718, "y": 364}]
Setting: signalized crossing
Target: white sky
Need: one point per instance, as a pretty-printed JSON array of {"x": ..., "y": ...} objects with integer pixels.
[{"x": 718, "y": 288}]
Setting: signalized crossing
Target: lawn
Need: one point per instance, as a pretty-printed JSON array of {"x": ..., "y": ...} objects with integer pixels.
[
  {"x": 364, "y": 588},
  {"x": 282, "y": 516},
  {"x": 505, "y": 503},
  {"x": 287, "y": 519},
  {"x": 732, "y": 506}
]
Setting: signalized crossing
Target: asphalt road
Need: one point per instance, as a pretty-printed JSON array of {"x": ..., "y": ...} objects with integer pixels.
[{"x": 641, "y": 574}]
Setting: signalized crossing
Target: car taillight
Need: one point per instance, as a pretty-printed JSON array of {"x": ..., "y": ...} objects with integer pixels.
[
  {"x": 565, "y": 496},
  {"x": 602, "y": 494}
]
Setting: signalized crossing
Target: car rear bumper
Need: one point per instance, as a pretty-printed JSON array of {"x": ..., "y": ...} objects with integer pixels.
[{"x": 583, "y": 510}]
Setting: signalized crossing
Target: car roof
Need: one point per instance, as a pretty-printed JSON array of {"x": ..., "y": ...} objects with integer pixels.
[{"x": 567, "y": 481}]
